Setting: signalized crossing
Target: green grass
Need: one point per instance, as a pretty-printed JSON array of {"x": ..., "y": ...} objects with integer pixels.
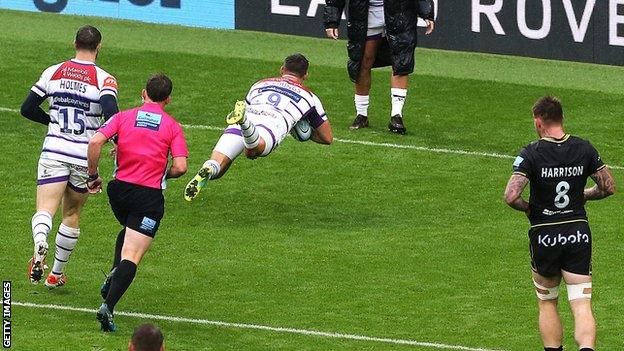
[{"x": 348, "y": 238}]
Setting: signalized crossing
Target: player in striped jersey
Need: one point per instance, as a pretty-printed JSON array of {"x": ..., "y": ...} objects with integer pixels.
[
  {"x": 79, "y": 94},
  {"x": 257, "y": 126}
]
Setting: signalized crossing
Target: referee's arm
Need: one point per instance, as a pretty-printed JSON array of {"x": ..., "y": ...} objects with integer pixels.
[{"x": 178, "y": 168}]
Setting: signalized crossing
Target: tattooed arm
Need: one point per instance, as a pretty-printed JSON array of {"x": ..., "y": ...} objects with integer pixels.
[
  {"x": 605, "y": 185},
  {"x": 513, "y": 193}
]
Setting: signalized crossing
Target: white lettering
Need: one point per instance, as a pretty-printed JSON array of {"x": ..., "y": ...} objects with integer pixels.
[
  {"x": 614, "y": 21},
  {"x": 279, "y": 9},
  {"x": 540, "y": 33},
  {"x": 579, "y": 29},
  {"x": 313, "y": 9},
  {"x": 490, "y": 12}
]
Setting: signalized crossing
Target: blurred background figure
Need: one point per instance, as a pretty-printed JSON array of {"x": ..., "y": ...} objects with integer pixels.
[{"x": 147, "y": 337}]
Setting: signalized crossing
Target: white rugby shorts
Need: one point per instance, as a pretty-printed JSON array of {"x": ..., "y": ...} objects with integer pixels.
[{"x": 53, "y": 171}]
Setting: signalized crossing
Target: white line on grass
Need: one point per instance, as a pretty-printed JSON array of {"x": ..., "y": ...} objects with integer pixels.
[
  {"x": 371, "y": 143},
  {"x": 258, "y": 327}
]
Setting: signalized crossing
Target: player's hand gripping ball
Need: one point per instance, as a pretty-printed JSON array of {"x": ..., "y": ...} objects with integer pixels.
[{"x": 302, "y": 131}]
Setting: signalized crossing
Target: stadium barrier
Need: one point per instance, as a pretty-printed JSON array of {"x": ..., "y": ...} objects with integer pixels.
[
  {"x": 574, "y": 30},
  {"x": 196, "y": 13}
]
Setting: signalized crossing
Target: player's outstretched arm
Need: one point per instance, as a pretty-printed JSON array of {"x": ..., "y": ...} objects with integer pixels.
[
  {"x": 323, "y": 134},
  {"x": 605, "y": 185},
  {"x": 31, "y": 109},
  {"x": 513, "y": 193}
]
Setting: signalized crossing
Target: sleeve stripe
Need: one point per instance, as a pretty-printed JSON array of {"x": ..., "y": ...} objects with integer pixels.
[
  {"x": 520, "y": 173},
  {"x": 38, "y": 91},
  {"x": 601, "y": 167},
  {"x": 108, "y": 92}
]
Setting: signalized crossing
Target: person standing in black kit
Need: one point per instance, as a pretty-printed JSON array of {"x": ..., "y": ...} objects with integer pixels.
[
  {"x": 381, "y": 33},
  {"x": 557, "y": 166}
]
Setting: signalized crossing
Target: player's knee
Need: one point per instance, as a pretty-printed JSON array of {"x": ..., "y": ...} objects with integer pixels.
[
  {"x": 251, "y": 154},
  {"x": 545, "y": 294},
  {"x": 579, "y": 291}
]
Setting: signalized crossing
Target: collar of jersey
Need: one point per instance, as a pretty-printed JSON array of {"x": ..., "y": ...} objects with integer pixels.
[
  {"x": 82, "y": 62},
  {"x": 553, "y": 140}
]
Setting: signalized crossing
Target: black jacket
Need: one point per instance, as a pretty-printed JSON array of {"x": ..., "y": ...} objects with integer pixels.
[{"x": 401, "y": 24}]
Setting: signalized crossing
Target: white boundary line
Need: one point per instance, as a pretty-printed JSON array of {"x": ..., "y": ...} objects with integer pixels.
[
  {"x": 371, "y": 143},
  {"x": 258, "y": 327}
]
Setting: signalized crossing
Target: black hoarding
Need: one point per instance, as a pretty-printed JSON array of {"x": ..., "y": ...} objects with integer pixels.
[{"x": 575, "y": 30}]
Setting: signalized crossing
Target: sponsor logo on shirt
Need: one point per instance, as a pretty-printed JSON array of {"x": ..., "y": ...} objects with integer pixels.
[
  {"x": 110, "y": 82},
  {"x": 148, "y": 120},
  {"x": 518, "y": 161}
]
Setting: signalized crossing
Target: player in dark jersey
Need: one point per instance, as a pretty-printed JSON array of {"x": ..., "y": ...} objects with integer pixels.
[{"x": 557, "y": 166}]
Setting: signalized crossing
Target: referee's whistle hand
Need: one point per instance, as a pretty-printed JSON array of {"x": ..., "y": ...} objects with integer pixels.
[{"x": 332, "y": 33}]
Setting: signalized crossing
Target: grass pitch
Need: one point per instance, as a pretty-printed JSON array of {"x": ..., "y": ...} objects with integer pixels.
[{"x": 369, "y": 240}]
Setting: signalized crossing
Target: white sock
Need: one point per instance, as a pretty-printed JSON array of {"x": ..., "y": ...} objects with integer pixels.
[
  {"x": 361, "y": 104},
  {"x": 215, "y": 168},
  {"x": 250, "y": 134},
  {"x": 398, "y": 99},
  {"x": 66, "y": 240},
  {"x": 41, "y": 225}
]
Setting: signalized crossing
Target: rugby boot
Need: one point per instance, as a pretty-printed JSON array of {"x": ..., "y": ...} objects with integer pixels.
[
  {"x": 105, "y": 317},
  {"x": 396, "y": 124},
  {"x": 197, "y": 183},
  {"x": 55, "y": 281},
  {"x": 105, "y": 287},
  {"x": 36, "y": 265},
  {"x": 360, "y": 121},
  {"x": 237, "y": 116}
]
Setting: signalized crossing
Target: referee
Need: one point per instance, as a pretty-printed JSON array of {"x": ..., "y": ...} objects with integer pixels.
[
  {"x": 145, "y": 137},
  {"x": 557, "y": 166}
]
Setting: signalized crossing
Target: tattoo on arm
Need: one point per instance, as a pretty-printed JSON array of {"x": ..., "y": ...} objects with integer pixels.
[
  {"x": 605, "y": 185},
  {"x": 513, "y": 192}
]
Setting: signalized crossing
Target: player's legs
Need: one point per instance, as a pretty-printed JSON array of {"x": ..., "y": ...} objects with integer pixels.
[
  {"x": 398, "y": 94},
  {"x": 74, "y": 200},
  {"x": 579, "y": 293},
  {"x": 364, "y": 81},
  {"x": 229, "y": 146},
  {"x": 547, "y": 290},
  {"x": 52, "y": 181},
  {"x": 258, "y": 137}
]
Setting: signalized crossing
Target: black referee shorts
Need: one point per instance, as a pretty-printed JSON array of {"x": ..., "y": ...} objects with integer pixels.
[
  {"x": 136, "y": 207},
  {"x": 559, "y": 247}
]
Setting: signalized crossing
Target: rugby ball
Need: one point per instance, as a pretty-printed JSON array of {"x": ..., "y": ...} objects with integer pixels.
[{"x": 302, "y": 131}]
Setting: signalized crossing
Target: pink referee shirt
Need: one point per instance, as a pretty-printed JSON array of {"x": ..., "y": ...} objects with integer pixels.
[{"x": 146, "y": 137}]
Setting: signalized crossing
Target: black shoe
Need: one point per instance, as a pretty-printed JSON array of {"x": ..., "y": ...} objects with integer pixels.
[
  {"x": 396, "y": 124},
  {"x": 105, "y": 287},
  {"x": 105, "y": 317},
  {"x": 360, "y": 121}
]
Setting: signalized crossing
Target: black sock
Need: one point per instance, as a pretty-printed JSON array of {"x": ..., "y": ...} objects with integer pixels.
[
  {"x": 560, "y": 348},
  {"x": 122, "y": 278},
  {"x": 586, "y": 349},
  {"x": 118, "y": 246}
]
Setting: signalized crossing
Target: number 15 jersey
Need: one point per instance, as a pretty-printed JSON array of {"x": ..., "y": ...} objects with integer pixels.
[
  {"x": 557, "y": 170},
  {"x": 73, "y": 89}
]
